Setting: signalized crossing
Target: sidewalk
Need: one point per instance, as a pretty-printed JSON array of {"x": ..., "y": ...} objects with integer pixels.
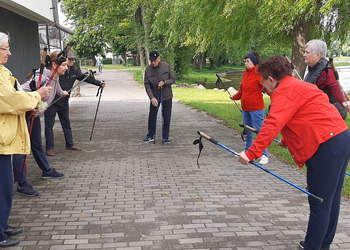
[{"x": 121, "y": 194}]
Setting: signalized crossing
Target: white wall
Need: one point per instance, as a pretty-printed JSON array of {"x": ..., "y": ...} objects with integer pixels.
[{"x": 37, "y": 10}]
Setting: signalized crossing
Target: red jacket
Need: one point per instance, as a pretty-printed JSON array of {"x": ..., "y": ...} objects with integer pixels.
[
  {"x": 304, "y": 116},
  {"x": 250, "y": 91}
]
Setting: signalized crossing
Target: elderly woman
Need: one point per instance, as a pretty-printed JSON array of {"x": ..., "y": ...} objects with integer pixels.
[
  {"x": 315, "y": 135},
  {"x": 37, "y": 148},
  {"x": 320, "y": 74},
  {"x": 14, "y": 137},
  {"x": 250, "y": 94}
]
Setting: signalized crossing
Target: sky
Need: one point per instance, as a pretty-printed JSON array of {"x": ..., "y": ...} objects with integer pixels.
[{"x": 62, "y": 18}]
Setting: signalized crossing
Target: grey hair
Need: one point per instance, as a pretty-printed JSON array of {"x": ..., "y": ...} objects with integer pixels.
[
  {"x": 317, "y": 46},
  {"x": 4, "y": 38}
]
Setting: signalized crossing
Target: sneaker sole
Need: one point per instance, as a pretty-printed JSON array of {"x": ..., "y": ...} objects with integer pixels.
[
  {"x": 148, "y": 141},
  {"x": 49, "y": 177},
  {"x": 29, "y": 195}
]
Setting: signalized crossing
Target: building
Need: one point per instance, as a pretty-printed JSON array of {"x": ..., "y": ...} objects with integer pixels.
[{"x": 31, "y": 25}]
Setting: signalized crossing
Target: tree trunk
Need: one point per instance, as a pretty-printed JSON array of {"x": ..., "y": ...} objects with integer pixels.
[
  {"x": 144, "y": 21},
  {"x": 142, "y": 59},
  {"x": 301, "y": 35},
  {"x": 200, "y": 60}
]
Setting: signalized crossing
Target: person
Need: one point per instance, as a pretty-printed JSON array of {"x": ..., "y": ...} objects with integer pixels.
[
  {"x": 14, "y": 137},
  {"x": 61, "y": 106},
  {"x": 320, "y": 74},
  {"x": 158, "y": 81},
  {"x": 251, "y": 95},
  {"x": 316, "y": 135},
  {"x": 99, "y": 64},
  {"x": 36, "y": 142}
]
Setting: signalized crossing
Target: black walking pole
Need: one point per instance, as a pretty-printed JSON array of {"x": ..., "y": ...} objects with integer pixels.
[
  {"x": 257, "y": 165},
  {"x": 98, "y": 104},
  {"x": 217, "y": 84},
  {"x": 253, "y": 130}
]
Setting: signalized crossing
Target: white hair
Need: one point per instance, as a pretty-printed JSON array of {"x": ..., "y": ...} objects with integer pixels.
[
  {"x": 317, "y": 46},
  {"x": 4, "y": 38}
]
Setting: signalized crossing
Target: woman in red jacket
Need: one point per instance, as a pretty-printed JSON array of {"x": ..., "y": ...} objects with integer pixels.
[
  {"x": 252, "y": 101},
  {"x": 315, "y": 134}
]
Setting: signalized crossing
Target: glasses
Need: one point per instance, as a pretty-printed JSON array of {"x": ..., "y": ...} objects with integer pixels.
[
  {"x": 71, "y": 59},
  {"x": 246, "y": 60},
  {"x": 6, "y": 49}
]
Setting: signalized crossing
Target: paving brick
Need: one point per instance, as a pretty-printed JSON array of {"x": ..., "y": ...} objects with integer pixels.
[{"x": 122, "y": 194}]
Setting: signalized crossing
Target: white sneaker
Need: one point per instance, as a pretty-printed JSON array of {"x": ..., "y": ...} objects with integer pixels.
[{"x": 264, "y": 160}]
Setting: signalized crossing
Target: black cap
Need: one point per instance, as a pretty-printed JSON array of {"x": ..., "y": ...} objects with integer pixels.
[{"x": 153, "y": 55}]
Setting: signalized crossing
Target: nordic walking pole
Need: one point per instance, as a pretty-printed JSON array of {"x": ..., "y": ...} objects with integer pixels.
[
  {"x": 161, "y": 101},
  {"x": 292, "y": 66},
  {"x": 31, "y": 117},
  {"x": 98, "y": 105},
  {"x": 337, "y": 78},
  {"x": 75, "y": 84},
  {"x": 257, "y": 165},
  {"x": 155, "y": 125},
  {"x": 254, "y": 130},
  {"x": 217, "y": 84}
]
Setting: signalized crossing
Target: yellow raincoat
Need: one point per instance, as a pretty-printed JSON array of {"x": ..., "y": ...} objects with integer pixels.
[{"x": 14, "y": 136}]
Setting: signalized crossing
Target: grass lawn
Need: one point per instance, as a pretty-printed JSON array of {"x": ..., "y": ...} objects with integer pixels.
[{"x": 218, "y": 104}]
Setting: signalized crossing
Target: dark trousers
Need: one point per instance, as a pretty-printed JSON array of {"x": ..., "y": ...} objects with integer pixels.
[
  {"x": 37, "y": 150},
  {"x": 325, "y": 177},
  {"x": 6, "y": 189},
  {"x": 152, "y": 118},
  {"x": 63, "y": 114}
]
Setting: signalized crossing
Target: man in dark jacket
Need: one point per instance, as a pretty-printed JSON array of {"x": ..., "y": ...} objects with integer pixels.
[
  {"x": 158, "y": 81},
  {"x": 61, "y": 107}
]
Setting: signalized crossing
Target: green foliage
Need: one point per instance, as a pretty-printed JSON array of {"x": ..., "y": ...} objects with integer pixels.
[
  {"x": 221, "y": 31},
  {"x": 107, "y": 61}
]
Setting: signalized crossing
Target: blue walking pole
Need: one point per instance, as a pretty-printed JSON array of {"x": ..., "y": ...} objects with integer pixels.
[
  {"x": 161, "y": 101},
  {"x": 257, "y": 165},
  {"x": 255, "y": 131}
]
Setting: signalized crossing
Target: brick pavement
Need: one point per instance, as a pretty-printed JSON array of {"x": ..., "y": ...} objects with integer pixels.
[{"x": 119, "y": 193}]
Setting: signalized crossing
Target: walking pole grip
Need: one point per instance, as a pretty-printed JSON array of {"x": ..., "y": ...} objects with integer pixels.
[{"x": 207, "y": 137}]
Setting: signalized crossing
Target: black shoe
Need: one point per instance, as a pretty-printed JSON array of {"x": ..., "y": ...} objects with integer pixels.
[
  {"x": 52, "y": 174},
  {"x": 27, "y": 190},
  {"x": 302, "y": 245},
  {"x": 147, "y": 140},
  {"x": 9, "y": 242},
  {"x": 11, "y": 231},
  {"x": 166, "y": 141}
]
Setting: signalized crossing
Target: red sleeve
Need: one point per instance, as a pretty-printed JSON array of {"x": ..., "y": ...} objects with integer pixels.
[{"x": 332, "y": 84}]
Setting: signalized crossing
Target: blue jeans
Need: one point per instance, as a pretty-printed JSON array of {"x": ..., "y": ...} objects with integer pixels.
[
  {"x": 254, "y": 119},
  {"x": 325, "y": 177},
  {"x": 37, "y": 150},
  {"x": 6, "y": 189}
]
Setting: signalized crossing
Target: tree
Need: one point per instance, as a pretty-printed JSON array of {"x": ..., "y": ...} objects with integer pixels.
[{"x": 187, "y": 31}]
